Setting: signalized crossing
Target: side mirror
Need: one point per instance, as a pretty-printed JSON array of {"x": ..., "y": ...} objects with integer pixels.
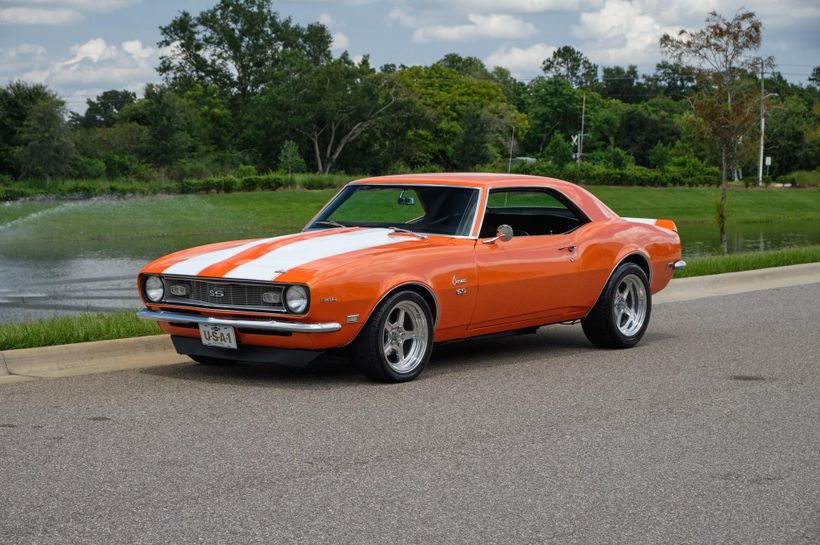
[{"x": 503, "y": 233}]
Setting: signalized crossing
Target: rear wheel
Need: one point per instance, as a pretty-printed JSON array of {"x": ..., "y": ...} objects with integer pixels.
[
  {"x": 396, "y": 342},
  {"x": 205, "y": 360},
  {"x": 621, "y": 315}
]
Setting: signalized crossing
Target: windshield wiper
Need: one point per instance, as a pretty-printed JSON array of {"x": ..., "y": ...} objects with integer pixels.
[
  {"x": 329, "y": 222},
  {"x": 406, "y": 232}
]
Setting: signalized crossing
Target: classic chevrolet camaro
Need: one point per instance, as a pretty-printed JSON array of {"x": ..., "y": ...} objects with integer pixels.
[{"x": 392, "y": 265}]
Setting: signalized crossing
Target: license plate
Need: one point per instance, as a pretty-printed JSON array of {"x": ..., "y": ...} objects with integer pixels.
[{"x": 221, "y": 336}]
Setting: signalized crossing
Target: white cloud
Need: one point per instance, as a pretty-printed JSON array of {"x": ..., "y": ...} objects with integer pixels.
[
  {"x": 497, "y": 26},
  {"x": 340, "y": 41},
  {"x": 620, "y": 33},
  {"x": 97, "y": 64},
  {"x": 22, "y": 57},
  {"x": 37, "y": 16},
  {"x": 82, "y": 5},
  {"x": 523, "y": 6},
  {"x": 521, "y": 62},
  {"x": 326, "y": 20},
  {"x": 401, "y": 17}
]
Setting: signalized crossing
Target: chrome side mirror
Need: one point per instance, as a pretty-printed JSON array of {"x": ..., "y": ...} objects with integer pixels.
[{"x": 503, "y": 233}]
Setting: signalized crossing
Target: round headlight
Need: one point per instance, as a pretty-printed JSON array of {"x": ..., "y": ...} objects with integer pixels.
[
  {"x": 296, "y": 298},
  {"x": 154, "y": 290}
]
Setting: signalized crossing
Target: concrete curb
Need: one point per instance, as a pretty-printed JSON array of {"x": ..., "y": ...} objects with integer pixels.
[
  {"x": 88, "y": 358},
  {"x": 685, "y": 289},
  {"x": 142, "y": 352}
]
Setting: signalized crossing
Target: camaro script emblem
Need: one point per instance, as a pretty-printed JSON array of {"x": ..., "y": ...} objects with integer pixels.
[{"x": 457, "y": 280}]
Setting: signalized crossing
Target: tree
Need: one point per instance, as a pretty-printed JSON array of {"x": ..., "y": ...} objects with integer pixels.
[
  {"x": 465, "y": 66},
  {"x": 16, "y": 102},
  {"x": 622, "y": 84},
  {"x": 671, "y": 79},
  {"x": 335, "y": 103},
  {"x": 173, "y": 134},
  {"x": 570, "y": 64},
  {"x": 46, "y": 148},
  {"x": 814, "y": 78},
  {"x": 725, "y": 102},
  {"x": 559, "y": 151},
  {"x": 289, "y": 158},
  {"x": 240, "y": 46},
  {"x": 102, "y": 112}
]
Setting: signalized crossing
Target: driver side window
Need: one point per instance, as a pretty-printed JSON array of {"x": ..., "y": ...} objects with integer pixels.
[{"x": 529, "y": 212}]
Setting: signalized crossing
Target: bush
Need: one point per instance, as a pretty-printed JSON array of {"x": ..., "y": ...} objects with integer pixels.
[
  {"x": 245, "y": 171},
  {"x": 688, "y": 172},
  {"x": 85, "y": 167},
  {"x": 120, "y": 166}
]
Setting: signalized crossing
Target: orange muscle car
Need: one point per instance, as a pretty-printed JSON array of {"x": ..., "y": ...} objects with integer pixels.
[{"x": 392, "y": 265}]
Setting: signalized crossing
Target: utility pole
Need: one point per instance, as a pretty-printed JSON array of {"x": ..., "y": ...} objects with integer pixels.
[
  {"x": 762, "y": 125},
  {"x": 581, "y": 136},
  {"x": 512, "y": 142}
]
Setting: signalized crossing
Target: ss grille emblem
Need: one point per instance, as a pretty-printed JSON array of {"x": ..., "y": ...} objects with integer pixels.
[{"x": 215, "y": 292}]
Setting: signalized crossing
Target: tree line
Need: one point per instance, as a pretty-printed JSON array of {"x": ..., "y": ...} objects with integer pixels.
[{"x": 244, "y": 88}]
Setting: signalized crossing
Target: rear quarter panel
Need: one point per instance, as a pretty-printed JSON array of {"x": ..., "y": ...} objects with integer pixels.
[{"x": 602, "y": 245}]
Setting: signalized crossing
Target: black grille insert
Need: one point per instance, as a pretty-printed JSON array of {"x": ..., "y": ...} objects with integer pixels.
[{"x": 229, "y": 294}]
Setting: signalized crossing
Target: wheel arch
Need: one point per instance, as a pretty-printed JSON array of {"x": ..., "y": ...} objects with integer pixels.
[
  {"x": 635, "y": 256},
  {"x": 425, "y": 291}
]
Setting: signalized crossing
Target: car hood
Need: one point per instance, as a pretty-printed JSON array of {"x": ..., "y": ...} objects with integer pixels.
[{"x": 269, "y": 259}]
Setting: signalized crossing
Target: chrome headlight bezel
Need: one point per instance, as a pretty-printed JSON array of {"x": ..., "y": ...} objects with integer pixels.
[
  {"x": 153, "y": 292},
  {"x": 297, "y": 299}
]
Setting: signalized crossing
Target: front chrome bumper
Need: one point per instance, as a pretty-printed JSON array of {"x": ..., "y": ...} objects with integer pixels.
[
  {"x": 679, "y": 265},
  {"x": 263, "y": 325}
]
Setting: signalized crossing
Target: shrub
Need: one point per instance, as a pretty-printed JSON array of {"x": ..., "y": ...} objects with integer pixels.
[
  {"x": 85, "y": 167},
  {"x": 245, "y": 171}
]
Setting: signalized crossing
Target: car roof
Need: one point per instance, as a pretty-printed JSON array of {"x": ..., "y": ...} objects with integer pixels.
[
  {"x": 470, "y": 179},
  {"x": 589, "y": 204}
]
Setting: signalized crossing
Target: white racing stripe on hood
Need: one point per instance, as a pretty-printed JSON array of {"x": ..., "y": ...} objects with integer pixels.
[
  {"x": 270, "y": 265},
  {"x": 194, "y": 265}
]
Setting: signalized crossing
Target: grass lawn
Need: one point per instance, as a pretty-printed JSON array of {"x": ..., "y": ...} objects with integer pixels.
[
  {"x": 697, "y": 204},
  {"x": 701, "y": 266},
  {"x": 152, "y": 226},
  {"x": 75, "y": 329}
]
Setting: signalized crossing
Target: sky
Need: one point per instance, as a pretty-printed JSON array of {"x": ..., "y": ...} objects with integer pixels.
[{"x": 80, "y": 48}]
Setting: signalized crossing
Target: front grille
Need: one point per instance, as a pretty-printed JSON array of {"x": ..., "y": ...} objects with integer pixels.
[{"x": 225, "y": 294}]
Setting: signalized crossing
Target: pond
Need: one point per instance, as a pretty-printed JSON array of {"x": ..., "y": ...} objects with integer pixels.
[{"x": 65, "y": 269}]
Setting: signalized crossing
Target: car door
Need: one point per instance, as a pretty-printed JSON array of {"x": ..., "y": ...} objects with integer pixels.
[{"x": 532, "y": 276}]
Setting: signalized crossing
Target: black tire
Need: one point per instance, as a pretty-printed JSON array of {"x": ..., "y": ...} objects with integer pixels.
[
  {"x": 205, "y": 360},
  {"x": 604, "y": 326},
  {"x": 368, "y": 351}
]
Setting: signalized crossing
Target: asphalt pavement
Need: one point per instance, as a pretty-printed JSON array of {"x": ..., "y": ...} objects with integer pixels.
[{"x": 706, "y": 432}]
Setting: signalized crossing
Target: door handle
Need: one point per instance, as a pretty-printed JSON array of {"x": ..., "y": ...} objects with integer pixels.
[{"x": 570, "y": 248}]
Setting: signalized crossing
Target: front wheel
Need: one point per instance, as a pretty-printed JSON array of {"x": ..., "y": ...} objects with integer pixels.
[
  {"x": 395, "y": 343},
  {"x": 621, "y": 315}
]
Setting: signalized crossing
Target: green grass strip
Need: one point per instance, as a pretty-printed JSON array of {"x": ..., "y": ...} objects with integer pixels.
[
  {"x": 120, "y": 325},
  {"x": 701, "y": 266},
  {"x": 75, "y": 329}
]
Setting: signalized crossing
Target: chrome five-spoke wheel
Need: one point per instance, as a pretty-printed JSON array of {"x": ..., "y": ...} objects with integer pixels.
[
  {"x": 404, "y": 337},
  {"x": 629, "y": 305},
  {"x": 395, "y": 343},
  {"x": 620, "y": 317}
]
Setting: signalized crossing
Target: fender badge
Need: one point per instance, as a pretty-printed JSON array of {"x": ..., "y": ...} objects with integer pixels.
[
  {"x": 457, "y": 280},
  {"x": 328, "y": 299}
]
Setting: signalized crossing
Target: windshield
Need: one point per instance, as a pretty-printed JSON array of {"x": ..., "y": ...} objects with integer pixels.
[{"x": 418, "y": 208}]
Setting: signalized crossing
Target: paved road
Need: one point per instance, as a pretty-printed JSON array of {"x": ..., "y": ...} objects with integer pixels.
[{"x": 708, "y": 432}]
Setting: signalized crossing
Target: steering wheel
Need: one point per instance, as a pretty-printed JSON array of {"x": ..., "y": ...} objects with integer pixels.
[{"x": 520, "y": 233}]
